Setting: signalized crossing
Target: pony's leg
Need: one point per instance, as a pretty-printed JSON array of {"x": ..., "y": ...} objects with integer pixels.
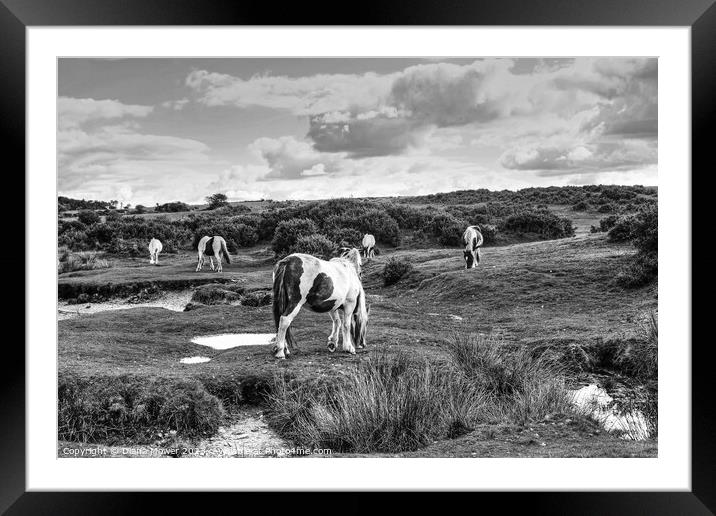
[
  {"x": 156, "y": 259},
  {"x": 199, "y": 263},
  {"x": 219, "y": 266},
  {"x": 477, "y": 257},
  {"x": 347, "y": 321},
  {"x": 335, "y": 330},
  {"x": 211, "y": 262},
  {"x": 281, "y": 349}
]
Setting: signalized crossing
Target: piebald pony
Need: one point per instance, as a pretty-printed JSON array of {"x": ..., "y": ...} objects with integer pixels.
[
  {"x": 332, "y": 286},
  {"x": 212, "y": 246},
  {"x": 368, "y": 245}
]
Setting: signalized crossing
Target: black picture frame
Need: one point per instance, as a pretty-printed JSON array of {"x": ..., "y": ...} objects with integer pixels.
[{"x": 17, "y": 15}]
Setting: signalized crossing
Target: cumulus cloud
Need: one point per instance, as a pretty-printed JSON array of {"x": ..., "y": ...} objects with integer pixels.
[
  {"x": 73, "y": 112},
  {"x": 380, "y": 115},
  {"x": 102, "y": 153},
  {"x": 290, "y": 158}
]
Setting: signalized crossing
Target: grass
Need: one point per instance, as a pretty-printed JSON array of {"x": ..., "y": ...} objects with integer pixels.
[
  {"x": 396, "y": 403},
  {"x": 80, "y": 261},
  {"x": 554, "y": 294}
]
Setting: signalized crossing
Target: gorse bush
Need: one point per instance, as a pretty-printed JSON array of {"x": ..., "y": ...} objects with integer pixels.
[
  {"x": 395, "y": 269},
  {"x": 643, "y": 229},
  {"x": 172, "y": 207},
  {"x": 288, "y": 232},
  {"x": 111, "y": 409},
  {"x": 88, "y": 217},
  {"x": 542, "y": 222},
  {"x": 319, "y": 246}
]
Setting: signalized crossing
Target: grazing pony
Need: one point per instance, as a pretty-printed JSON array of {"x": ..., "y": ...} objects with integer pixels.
[
  {"x": 368, "y": 245},
  {"x": 472, "y": 238},
  {"x": 325, "y": 286},
  {"x": 212, "y": 246},
  {"x": 155, "y": 247}
]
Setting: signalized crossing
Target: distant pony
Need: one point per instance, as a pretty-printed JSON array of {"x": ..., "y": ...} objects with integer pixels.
[
  {"x": 472, "y": 238},
  {"x": 368, "y": 245},
  {"x": 212, "y": 246},
  {"x": 325, "y": 286},
  {"x": 155, "y": 247}
]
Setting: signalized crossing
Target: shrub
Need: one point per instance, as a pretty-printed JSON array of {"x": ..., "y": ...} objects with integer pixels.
[
  {"x": 581, "y": 206},
  {"x": 605, "y": 208},
  {"x": 316, "y": 245},
  {"x": 140, "y": 209},
  {"x": 257, "y": 298},
  {"x": 395, "y": 269},
  {"x": 111, "y": 409},
  {"x": 113, "y": 215},
  {"x": 216, "y": 294},
  {"x": 346, "y": 237},
  {"x": 172, "y": 207},
  {"x": 541, "y": 222},
  {"x": 288, "y": 232},
  {"x": 88, "y": 217},
  {"x": 622, "y": 229}
]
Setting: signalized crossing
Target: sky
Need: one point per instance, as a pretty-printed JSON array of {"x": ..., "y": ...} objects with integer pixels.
[{"x": 154, "y": 130}]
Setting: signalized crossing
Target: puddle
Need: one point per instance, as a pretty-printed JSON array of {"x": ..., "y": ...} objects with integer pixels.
[
  {"x": 451, "y": 316},
  {"x": 595, "y": 401},
  {"x": 194, "y": 360},
  {"x": 175, "y": 301},
  {"x": 233, "y": 340}
]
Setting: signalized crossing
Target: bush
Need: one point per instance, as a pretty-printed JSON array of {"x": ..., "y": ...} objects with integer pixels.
[
  {"x": 257, "y": 298},
  {"x": 541, "y": 222},
  {"x": 395, "y": 269},
  {"x": 643, "y": 229},
  {"x": 288, "y": 232},
  {"x": 172, "y": 207},
  {"x": 88, "y": 217},
  {"x": 112, "y": 409},
  {"x": 217, "y": 200},
  {"x": 346, "y": 237},
  {"x": 581, "y": 206},
  {"x": 216, "y": 294},
  {"x": 640, "y": 271},
  {"x": 605, "y": 208},
  {"x": 316, "y": 245}
]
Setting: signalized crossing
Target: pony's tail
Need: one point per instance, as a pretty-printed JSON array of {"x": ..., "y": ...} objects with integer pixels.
[
  {"x": 280, "y": 299},
  {"x": 225, "y": 251},
  {"x": 360, "y": 320}
]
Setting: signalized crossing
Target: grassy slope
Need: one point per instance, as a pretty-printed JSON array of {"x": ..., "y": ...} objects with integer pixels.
[{"x": 554, "y": 292}]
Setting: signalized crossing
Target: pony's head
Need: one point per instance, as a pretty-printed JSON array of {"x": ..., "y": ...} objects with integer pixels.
[{"x": 469, "y": 257}]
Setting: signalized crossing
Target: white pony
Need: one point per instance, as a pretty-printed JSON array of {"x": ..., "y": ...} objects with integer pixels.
[
  {"x": 472, "y": 238},
  {"x": 325, "y": 286},
  {"x": 155, "y": 247},
  {"x": 212, "y": 246},
  {"x": 368, "y": 245}
]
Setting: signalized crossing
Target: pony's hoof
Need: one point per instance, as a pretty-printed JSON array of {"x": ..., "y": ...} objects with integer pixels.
[{"x": 331, "y": 347}]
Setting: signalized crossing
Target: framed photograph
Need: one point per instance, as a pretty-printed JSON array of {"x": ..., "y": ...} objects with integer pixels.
[{"x": 416, "y": 253}]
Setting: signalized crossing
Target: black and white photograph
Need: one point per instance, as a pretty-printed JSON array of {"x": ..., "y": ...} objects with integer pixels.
[{"x": 357, "y": 257}]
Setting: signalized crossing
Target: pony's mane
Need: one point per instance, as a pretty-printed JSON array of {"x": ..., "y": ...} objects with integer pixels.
[{"x": 353, "y": 256}]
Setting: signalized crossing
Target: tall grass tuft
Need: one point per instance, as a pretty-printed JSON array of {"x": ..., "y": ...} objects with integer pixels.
[
  {"x": 82, "y": 261},
  {"x": 391, "y": 403},
  {"x": 394, "y": 402},
  {"x": 521, "y": 384}
]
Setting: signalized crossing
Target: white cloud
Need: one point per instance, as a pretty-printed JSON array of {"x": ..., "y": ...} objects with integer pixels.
[{"x": 72, "y": 112}]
